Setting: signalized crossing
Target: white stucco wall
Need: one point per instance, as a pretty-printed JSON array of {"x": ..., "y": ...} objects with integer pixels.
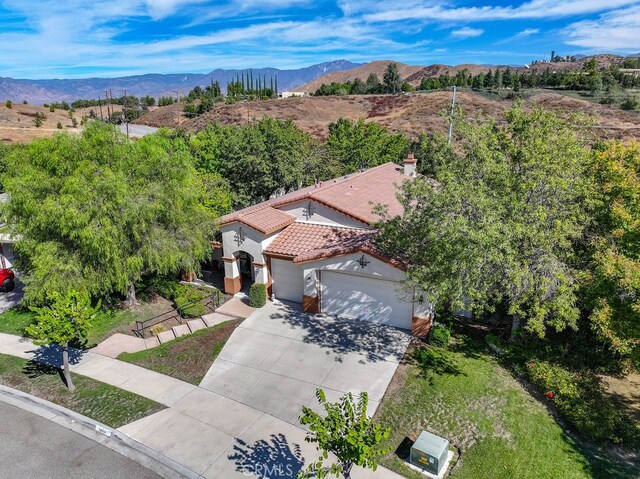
[
  {"x": 349, "y": 263},
  {"x": 321, "y": 215},
  {"x": 254, "y": 242}
]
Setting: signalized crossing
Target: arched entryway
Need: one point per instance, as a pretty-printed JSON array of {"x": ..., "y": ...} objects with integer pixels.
[{"x": 245, "y": 268}]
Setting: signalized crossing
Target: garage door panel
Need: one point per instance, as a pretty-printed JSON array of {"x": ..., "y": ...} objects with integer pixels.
[
  {"x": 364, "y": 298},
  {"x": 287, "y": 280}
]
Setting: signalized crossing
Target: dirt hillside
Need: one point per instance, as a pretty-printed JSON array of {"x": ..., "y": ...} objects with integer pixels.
[
  {"x": 414, "y": 74},
  {"x": 16, "y": 123},
  {"x": 378, "y": 67},
  {"x": 410, "y": 114}
]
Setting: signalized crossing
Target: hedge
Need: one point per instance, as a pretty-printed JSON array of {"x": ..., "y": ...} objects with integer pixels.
[{"x": 257, "y": 295}]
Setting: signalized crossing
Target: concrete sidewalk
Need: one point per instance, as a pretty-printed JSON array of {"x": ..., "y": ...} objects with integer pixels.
[
  {"x": 211, "y": 435},
  {"x": 158, "y": 387}
]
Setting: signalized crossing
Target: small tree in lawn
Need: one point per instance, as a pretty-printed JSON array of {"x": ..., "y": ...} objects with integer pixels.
[
  {"x": 65, "y": 318},
  {"x": 347, "y": 432}
]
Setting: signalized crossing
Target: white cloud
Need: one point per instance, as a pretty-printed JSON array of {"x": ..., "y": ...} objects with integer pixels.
[
  {"x": 534, "y": 9},
  {"x": 617, "y": 30},
  {"x": 467, "y": 32},
  {"x": 527, "y": 32},
  {"x": 158, "y": 9}
]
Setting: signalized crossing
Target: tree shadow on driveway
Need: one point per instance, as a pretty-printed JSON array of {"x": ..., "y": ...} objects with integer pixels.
[
  {"x": 376, "y": 342},
  {"x": 274, "y": 458}
]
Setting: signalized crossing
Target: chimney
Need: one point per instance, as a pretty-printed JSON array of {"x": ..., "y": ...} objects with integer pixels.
[{"x": 410, "y": 166}]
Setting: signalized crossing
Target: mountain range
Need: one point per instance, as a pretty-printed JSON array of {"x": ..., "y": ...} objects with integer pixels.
[{"x": 156, "y": 85}]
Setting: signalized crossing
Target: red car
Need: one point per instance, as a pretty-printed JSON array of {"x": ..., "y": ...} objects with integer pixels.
[{"x": 7, "y": 280}]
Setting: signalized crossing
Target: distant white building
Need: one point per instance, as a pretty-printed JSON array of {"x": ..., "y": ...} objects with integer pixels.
[{"x": 291, "y": 94}]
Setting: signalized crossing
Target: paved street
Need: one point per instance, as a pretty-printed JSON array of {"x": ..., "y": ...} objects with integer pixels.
[
  {"x": 137, "y": 131},
  {"x": 33, "y": 447}
]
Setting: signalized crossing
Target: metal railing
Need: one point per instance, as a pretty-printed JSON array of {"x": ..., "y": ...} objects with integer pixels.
[{"x": 212, "y": 302}]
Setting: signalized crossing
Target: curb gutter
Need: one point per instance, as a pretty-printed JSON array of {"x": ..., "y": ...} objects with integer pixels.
[{"x": 100, "y": 433}]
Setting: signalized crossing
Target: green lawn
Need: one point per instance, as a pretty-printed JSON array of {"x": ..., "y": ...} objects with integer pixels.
[
  {"x": 187, "y": 358},
  {"x": 463, "y": 394},
  {"x": 110, "y": 322},
  {"x": 99, "y": 401},
  {"x": 13, "y": 321}
]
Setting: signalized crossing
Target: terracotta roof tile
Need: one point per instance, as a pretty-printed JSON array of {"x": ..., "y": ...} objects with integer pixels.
[
  {"x": 354, "y": 195},
  {"x": 267, "y": 220},
  {"x": 308, "y": 242}
]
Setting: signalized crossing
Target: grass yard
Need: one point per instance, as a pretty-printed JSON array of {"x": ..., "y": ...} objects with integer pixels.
[
  {"x": 14, "y": 320},
  {"x": 99, "y": 401},
  {"x": 187, "y": 358},
  {"x": 463, "y": 394},
  {"x": 109, "y": 322}
]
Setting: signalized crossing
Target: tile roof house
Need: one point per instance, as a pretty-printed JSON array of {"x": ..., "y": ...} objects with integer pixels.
[{"x": 315, "y": 246}]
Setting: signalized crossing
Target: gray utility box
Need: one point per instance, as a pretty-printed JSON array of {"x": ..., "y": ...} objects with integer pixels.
[{"x": 429, "y": 452}]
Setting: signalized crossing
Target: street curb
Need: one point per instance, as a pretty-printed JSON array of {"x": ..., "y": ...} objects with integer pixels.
[{"x": 98, "y": 432}]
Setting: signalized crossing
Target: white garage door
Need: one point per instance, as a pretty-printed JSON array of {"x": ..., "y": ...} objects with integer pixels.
[
  {"x": 364, "y": 298},
  {"x": 287, "y": 280}
]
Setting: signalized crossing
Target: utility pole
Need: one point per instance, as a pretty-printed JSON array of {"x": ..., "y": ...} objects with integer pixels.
[
  {"x": 124, "y": 114},
  {"x": 108, "y": 97},
  {"x": 453, "y": 105},
  {"x": 100, "y": 105}
]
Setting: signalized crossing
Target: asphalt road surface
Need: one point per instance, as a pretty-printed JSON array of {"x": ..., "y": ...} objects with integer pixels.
[
  {"x": 34, "y": 448},
  {"x": 137, "y": 131}
]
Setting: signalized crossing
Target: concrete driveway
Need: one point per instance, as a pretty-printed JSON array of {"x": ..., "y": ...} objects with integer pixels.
[
  {"x": 242, "y": 420},
  {"x": 279, "y": 356}
]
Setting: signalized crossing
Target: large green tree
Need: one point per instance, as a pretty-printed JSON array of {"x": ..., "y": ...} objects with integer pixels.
[
  {"x": 94, "y": 212},
  {"x": 612, "y": 286},
  {"x": 392, "y": 79},
  {"x": 357, "y": 145},
  {"x": 258, "y": 160},
  {"x": 497, "y": 224}
]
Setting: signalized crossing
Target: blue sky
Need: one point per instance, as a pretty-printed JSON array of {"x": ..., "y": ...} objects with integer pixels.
[{"x": 78, "y": 38}]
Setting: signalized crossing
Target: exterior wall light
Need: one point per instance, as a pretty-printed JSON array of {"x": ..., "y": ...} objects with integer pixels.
[
  {"x": 240, "y": 236},
  {"x": 363, "y": 262}
]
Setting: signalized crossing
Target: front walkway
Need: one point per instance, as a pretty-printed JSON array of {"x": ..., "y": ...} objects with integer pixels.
[{"x": 216, "y": 435}]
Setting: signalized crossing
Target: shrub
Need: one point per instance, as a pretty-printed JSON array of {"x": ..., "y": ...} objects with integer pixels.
[
  {"x": 257, "y": 295},
  {"x": 439, "y": 336},
  {"x": 157, "y": 329},
  {"x": 160, "y": 285},
  {"x": 59, "y": 126},
  {"x": 631, "y": 103},
  {"x": 9, "y": 104},
  {"x": 24, "y": 102},
  {"x": 52, "y": 109},
  {"x": 188, "y": 300},
  {"x": 579, "y": 397}
]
